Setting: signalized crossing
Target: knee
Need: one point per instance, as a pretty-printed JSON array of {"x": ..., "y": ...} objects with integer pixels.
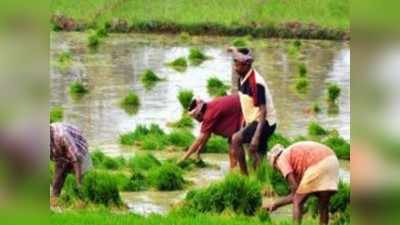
[{"x": 236, "y": 139}]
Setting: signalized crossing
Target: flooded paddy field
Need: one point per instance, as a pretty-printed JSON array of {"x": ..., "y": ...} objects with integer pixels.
[{"x": 115, "y": 69}]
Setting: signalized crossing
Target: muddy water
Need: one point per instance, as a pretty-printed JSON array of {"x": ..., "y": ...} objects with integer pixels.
[{"x": 116, "y": 67}]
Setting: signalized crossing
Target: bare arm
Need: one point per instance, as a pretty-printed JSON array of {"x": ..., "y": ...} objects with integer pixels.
[
  {"x": 197, "y": 145},
  {"x": 288, "y": 199},
  {"x": 78, "y": 172}
]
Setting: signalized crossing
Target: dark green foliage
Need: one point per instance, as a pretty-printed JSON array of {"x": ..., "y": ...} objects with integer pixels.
[
  {"x": 302, "y": 70},
  {"x": 131, "y": 103},
  {"x": 316, "y": 108},
  {"x": 278, "y": 182},
  {"x": 56, "y": 114},
  {"x": 190, "y": 164},
  {"x": 333, "y": 92},
  {"x": 302, "y": 85},
  {"x": 131, "y": 138},
  {"x": 76, "y": 88},
  {"x": 236, "y": 192},
  {"x": 277, "y": 138},
  {"x": 102, "y": 32},
  {"x": 101, "y": 188},
  {"x": 181, "y": 137},
  {"x": 102, "y": 161},
  {"x": 167, "y": 177},
  {"x": 339, "y": 145},
  {"x": 185, "y": 97},
  {"x": 263, "y": 216},
  {"x": 137, "y": 182},
  {"x": 315, "y": 129},
  {"x": 297, "y": 44},
  {"x": 184, "y": 122},
  {"x": 149, "y": 79},
  {"x": 179, "y": 64},
  {"x": 70, "y": 191},
  {"x": 215, "y": 87},
  {"x": 339, "y": 205},
  {"x": 143, "y": 162},
  {"x": 217, "y": 144},
  {"x": 94, "y": 40},
  {"x": 196, "y": 56}
]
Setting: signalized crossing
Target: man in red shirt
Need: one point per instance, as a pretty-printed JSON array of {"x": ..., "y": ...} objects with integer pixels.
[{"x": 221, "y": 116}]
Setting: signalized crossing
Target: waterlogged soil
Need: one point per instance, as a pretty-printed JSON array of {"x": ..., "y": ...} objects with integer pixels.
[{"x": 115, "y": 68}]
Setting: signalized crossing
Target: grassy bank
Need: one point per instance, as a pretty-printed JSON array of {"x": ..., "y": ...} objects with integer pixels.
[
  {"x": 108, "y": 218},
  {"x": 286, "y": 19}
]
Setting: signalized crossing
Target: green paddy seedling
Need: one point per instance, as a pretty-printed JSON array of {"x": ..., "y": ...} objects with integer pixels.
[
  {"x": 196, "y": 56},
  {"x": 149, "y": 79},
  {"x": 56, "y": 114},
  {"x": 179, "y": 64},
  {"x": 216, "y": 87},
  {"x": 185, "y": 96},
  {"x": 131, "y": 103}
]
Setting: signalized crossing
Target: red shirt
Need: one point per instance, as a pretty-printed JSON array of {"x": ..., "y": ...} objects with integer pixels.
[{"x": 223, "y": 116}]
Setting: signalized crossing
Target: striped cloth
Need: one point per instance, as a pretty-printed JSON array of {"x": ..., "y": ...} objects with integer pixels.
[{"x": 67, "y": 143}]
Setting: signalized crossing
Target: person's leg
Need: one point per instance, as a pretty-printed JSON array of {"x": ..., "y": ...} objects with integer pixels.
[
  {"x": 232, "y": 158},
  {"x": 238, "y": 152},
  {"x": 323, "y": 206},
  {"x": 298, "y": 201},
  {"x": 60, "y": 173}
]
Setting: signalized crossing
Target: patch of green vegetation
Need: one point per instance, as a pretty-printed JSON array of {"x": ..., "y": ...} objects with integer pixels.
[
  {"x": 185, "y": 97},
  {"x": 143, "y": 162},
  {"x": 184, "y": 122},
  {"x": 235, "y": 192},
  {"x": 102, "y": 161},
  {"x": 137, "y": 182},
  {"x": 278, "y": 182},
  {"x": 56, "y": 114},
  {"x": 277, "y": 138},
  {"x": 131, "y": 138},
  {"x": 329, "y": 20},
  {"x": 263, "y": 216},
  {"x": 184, "y": 36},
  {"x": 339, "y": 145},
  {"x": 131, "y": 103},
  {"x": 64, "y": 59},
  {"x": 215, "y": 87},
  {"x": 97, "y": 187},
  {"x": 216, "y": 144},
  {"x": 190, "y": 164},
  {"x": 302, "y": 85},
  {"x": 315, "y": 129},
  {"x": 100, "y": 188},
  {"x": 93, "y": 40},
  {"x": 196, "y": 56},
  {"x": 107, "y": 217},
  {"x": 154, "y": 141},
  {"x": 316, "y": 108},
  {"x": 149, "y": 79},
  {"x": 333, "y": 92},
  {"x": 179, "y": 64},
  {"x": 302, "y": 70},
  {"x": 339, "y": 205},
  {"x": 240, "y": 42},
  {"x": 167, "y": 177},
  {"x": 181, "y": 138},
  {"x": 77, "y": 89}
]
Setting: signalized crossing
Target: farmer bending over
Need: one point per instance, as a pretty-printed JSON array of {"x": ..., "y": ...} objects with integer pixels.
[
  {"x": 221, "y": 116},
  {"x": 69, "y": 151},
  {"x": 257, "y": 108},
  {"x": 310, "y": 168}
]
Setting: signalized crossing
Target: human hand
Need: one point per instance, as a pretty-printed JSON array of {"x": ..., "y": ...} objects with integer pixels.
[{"x": 271, "y": 207}]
